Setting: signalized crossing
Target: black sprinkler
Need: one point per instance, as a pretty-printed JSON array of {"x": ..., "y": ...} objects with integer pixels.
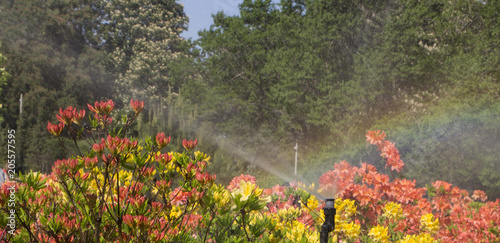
[{"x": 329, "y": 224}]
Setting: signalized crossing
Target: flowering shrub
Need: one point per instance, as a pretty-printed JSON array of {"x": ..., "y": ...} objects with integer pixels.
[
  {"x": 397, "y": 211},
  {"x": 124, "y": 190}
]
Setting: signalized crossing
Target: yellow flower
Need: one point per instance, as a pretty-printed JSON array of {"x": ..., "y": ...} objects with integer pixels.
[
  {"x": 393, "y": 211},
  {"x": 245, "y": 190},
  {"x": 351, "y": 230},
  {"x": 255, "y": 217},
  {"x": 379, "y": 234},
  {"x": 202, "y": 156},
  {"x": 429, "y": 224},
  {"x": 339, "y": 223},
  {"x": 125, "y": 177},
  {"x": 100, "y": 179},
  {"x": 312, "y": 203},
  {"x": 298, "y": 232},
  {"x": 265, "y": 200},
  {"x": 258, "y": 192},
  {"x": 287, "y": 214},
  {"x": 421, "y": 238},
  {"x": 129, "y": 158},
  {"x": 222, "y": 197},
  {"x": 345, "y": 207},
  {"x": 175, "y": 212}
]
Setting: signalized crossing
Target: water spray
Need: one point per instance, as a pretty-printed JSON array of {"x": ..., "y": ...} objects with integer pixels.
[{"x": 329, "y": 224}]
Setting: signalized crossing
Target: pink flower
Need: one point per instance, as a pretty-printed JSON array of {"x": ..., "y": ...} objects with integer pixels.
[{"x": 138, "y": 106}]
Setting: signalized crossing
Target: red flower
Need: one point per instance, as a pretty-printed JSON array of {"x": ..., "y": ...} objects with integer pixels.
[
  {"x": 90, "y": 163},
  {"x": 129, "y": 145},
  {"x": 189, "y": 145},
  {"x": 129, "y": 220},
  {"x": 65, "y": 167},
  {"x": 99, "y": 148},
  {"x": 147, "y": 172},
  {"x": 163, "y": 158},
  {"x": 138, "y": 106},
  {"x": 162, "y": 140},
  {"x": 66, "y": 116},
  {"x": 115, "y": 144},
  {"x": 104, "y": 119},
  {"x": 102, "y": 107},
  {"x": 55, "y": 129},
  {"x": 137, "y": 201},
  {"x": 136, "y": 221},
  {"x": 78, "y": 117},
  {"x": 205, "y": 177},
  {"x": 163, "y": 185}
]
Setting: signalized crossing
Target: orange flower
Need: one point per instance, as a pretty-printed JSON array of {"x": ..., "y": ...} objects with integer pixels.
[
  {"x": 375, "y": 137},
  {"x": 55, "y": 129},
  {"x": 189, "y": 145},
  {"x": 478, "y": 194},
  {"x": 138, "y": 106},
  {"x": 390, "y": 152}
]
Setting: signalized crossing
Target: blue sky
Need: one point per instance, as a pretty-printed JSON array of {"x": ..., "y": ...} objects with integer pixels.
[{"x": 200, "y": 13}]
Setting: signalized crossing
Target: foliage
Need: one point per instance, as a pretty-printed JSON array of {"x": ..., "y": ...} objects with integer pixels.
[
  {"x": 142, "y": 38},
  {"x": 320, "y": 73},
  {"x": 323, "y": 72},
  {"x": 129, "y": 190},
  {"x": 51, "y": 66},
  {"x": 273, "y": 67},
  {"x": 4, "y": 75}
]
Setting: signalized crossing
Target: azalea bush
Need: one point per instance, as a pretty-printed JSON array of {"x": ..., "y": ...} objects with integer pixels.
[
  {"x": 125, "y": 190},
  {"x": 385, "y": 210}
]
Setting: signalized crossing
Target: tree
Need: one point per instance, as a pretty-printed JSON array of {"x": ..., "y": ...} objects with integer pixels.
[
  {"x": 142, "y": 38},
  {"x": 4, "y": 76},
  {"x": 52, "y": 65},
  {"x": 282, "y": 68}
]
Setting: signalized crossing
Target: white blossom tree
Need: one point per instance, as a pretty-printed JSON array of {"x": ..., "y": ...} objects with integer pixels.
[{"x": 144, "y": 39}]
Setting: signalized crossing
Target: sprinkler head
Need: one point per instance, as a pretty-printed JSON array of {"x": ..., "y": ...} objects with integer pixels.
[{"x": 329, "y": 224}]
